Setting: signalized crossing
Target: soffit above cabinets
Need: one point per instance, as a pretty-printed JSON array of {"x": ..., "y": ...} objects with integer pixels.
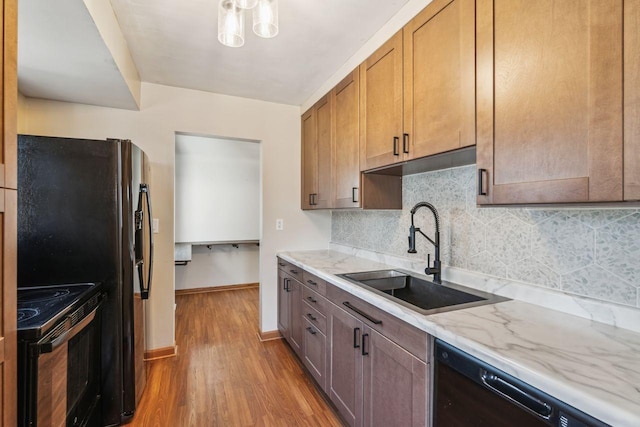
[{"x": 73, "y": 51}]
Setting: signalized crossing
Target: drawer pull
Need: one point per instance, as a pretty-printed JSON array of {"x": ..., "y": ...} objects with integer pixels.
[
  {"x": 311, "y": 316},
  {"x": 311, "y": 282},
  {"x": 311, "y": 331},
  {"x": 281, "y": 264},
  {"x": 294, "y": 271},
  {"x": 312, "y": 299},
  {"x": 362, "y": 313}
]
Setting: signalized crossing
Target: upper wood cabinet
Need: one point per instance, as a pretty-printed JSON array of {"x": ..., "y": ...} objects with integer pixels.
[
  {"x": 549, "y": 100},
  {"x": 346, "y": 144},
  {"x": 632, "y": 100},
  {"x": 439, "y": 79},
  {"x": 316, "y": 155},
  {"x": 8, "y": 217},
  {"x": 381, "y": 106}
]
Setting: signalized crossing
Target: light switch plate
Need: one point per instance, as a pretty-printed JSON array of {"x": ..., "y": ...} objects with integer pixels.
[
  {"x": 279, "y": 224},
  {"x": 156, "y": 225}
]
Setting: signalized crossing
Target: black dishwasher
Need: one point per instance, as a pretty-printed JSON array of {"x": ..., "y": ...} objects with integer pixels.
[{"x": 468, "y": 392}]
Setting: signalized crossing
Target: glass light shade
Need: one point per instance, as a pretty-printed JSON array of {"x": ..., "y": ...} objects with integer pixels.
[
  {"x": 230, "y": 24},
  {"x": 246, "y": 4},
  {"x": 265, "y": 18}
]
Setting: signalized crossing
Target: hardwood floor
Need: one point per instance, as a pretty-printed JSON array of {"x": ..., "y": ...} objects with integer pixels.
[{"x": 224, "y": 376}]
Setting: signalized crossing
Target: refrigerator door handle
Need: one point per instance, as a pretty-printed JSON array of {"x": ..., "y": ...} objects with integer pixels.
[{"x": 139, "y": 218}]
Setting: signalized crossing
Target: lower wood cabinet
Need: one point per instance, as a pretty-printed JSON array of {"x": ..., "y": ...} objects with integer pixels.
[
  {"x": 290, "y": 321},
  {"x": 373, "y": 381},
  {"x": 357, "y": 355}
]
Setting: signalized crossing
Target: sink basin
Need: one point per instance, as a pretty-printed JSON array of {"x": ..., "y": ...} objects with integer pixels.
[{"x": 420, "y": 294}]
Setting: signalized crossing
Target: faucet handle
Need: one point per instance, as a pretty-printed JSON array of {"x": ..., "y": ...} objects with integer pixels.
[{"x": 428, "y": 260}]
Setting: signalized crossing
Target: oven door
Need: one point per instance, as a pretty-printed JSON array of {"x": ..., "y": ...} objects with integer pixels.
[{"x": 66, "y": 375}]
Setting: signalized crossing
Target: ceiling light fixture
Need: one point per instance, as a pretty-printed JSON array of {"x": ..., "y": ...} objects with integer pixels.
[{"x": 231, "y": 20}]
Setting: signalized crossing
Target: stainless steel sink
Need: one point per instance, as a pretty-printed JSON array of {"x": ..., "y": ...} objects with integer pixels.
[{"x": 420, "y": 294}]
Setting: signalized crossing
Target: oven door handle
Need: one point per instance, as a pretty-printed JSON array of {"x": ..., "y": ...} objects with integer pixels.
[{"x": 50, "y": 346}]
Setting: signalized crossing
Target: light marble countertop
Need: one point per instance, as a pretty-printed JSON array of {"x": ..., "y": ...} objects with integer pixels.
[{"x": 592, "y": 366}]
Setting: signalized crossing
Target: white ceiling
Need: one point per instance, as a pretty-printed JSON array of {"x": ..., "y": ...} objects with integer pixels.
[{"x": 62, "y": 55}]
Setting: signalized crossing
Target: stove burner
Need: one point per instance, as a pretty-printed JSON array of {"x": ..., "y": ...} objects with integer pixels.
[
  {"x": 27, "y": 313},
  {"x": 43, "y": 295}
]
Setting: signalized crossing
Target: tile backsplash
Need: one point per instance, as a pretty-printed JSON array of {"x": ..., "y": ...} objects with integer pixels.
[{"x": 588, "y": 252}]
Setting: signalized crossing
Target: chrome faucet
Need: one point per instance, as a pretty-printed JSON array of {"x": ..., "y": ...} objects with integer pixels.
[{"x": 435, "y": 270}]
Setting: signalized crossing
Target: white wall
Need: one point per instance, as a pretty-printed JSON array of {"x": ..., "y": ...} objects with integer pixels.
[
  {"x": 217, "y": 189},
  {"x": 219, "y": 265},
  {"x": 167, "y": 110}
]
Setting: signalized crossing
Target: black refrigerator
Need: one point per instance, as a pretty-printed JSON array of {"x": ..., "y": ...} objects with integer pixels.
[{"x": 84, "y": 215}]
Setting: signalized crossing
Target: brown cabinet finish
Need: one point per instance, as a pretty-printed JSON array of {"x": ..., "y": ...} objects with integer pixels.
[
  {"x": 295, "y": 316},
  {"x": 381, "y": 106},
  {"x": 8, "y": 217},
  {"x": 395, "y": 384},
  {"x": 346, "y": 142},
  {"x": 439, "y": 79},
  {"x": 316, "y": 155},
  {"x": 315, "y": 353},
  {"x": 549, "y": 101},
  {"x": 345, "y": 377},
  {"x": 631, "y": 100},
  {"x": 283, "y": 304}
]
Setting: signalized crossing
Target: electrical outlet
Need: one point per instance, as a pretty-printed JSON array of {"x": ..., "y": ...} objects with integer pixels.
[
  {"x": 156, "y": 225},
  {"x": 279, "y": 224}
]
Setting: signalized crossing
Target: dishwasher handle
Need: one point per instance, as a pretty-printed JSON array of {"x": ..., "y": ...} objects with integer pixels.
[{"x": 515, "y": 394}]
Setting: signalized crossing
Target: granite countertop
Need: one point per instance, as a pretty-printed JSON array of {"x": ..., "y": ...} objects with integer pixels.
[{"x": 592, "y": 366}]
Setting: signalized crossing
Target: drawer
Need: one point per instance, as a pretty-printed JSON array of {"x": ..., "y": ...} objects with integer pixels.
[
  {"x": 314, "y": 282},
  {"x": 314, "y": 317},
  {"x": 405, "y": 335},
  {"x": 315, "y": 353},
  {"x": 283, "y": 265},
  {"x": 315, "y": 300}
]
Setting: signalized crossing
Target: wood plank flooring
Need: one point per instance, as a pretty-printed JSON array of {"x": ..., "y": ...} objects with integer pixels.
[{"x": 224, "y": 376}]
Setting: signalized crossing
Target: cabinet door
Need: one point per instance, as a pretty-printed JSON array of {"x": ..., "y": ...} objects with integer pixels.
[
  {"x": 316, "y": 155},
  {"x": 632, "y": 100},
  {"x": 381, "y": 106},
  {"x": 346, "y": 143},
  {"x": 309, "y": 159},
  {"x": 345, "y": 378},
  {"x": 283, "y": 304},
  {"x": 439, "y": 78},
  {"x": 295, "y": 316},
  {"x": 395, "y": 384},
  {"x": 549, "y": 100},
  {"x": 314, "y": 353}
]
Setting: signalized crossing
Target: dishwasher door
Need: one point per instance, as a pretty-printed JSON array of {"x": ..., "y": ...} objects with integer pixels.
[{"x": 468, "y": 392}]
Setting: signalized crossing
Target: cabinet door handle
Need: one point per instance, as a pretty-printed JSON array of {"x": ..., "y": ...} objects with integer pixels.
[
  {"x": 310, "y": 201},
  {"x": 311, "y": 282},
  {"x": 311, "y": 316},
  {"x": 286, "y": 284},
  {"x": 356, "y": 336},
  {"x": 396, "y": 142},
  {"x": 482, "y": 173},
  {"x": 312, "y": 299},
  {"x": 362, "y": 313},
  {"x": 354, "y": 194},
  {"x": 311, "y": 331},
  {"x": 364, "y": 346},
  {"x": 405, "y": 143}
]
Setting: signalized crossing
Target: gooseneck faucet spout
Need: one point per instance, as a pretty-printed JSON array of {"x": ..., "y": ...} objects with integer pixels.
[{"x": 435, "y": 270}]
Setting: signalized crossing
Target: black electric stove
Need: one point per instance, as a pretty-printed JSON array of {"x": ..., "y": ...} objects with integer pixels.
[
  {"x": 59, "y": 355},
  {"x": 42, "y": 307}
]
